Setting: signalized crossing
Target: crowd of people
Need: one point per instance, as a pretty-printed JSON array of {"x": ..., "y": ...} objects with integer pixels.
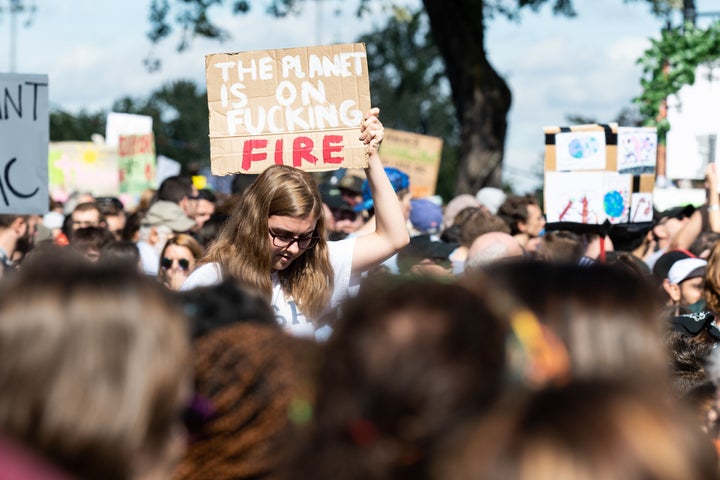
[{"x": 330, "y": 326}]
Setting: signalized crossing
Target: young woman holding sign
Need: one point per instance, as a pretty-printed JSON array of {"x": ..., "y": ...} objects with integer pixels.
[{"x": 275, "y": 242}]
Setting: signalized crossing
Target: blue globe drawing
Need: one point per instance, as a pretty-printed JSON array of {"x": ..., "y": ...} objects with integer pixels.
[{"x": 613, "y": 204}]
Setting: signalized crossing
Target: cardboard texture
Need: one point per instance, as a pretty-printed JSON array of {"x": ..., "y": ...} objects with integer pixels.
[
  {"x": 590, "y": 179},
  {"x": 300, "y": 107},
  {"x": 415, "y": 154}
]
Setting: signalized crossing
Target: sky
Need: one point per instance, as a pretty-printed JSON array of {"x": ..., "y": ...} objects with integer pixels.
[{"x": 92, "y": 52}]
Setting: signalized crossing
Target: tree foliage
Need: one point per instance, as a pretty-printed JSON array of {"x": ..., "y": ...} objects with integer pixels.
[
  {"x": 480, "y": 96},
  {"x": 671, "y": 63},
  {"x": 66, "y": 127},
  {"x": 179, "y": 112},
  {"x": 407, "y": 79}
]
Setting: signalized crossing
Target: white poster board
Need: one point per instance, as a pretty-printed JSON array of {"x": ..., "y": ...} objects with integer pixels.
[
  {"x": 125, "y": 124},
  {"x": 694, "y": 136},
  {"x": 24, "y": 136}
]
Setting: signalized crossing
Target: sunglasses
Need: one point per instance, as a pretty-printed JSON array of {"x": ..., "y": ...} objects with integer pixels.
[{"x": 167, "y": 263}]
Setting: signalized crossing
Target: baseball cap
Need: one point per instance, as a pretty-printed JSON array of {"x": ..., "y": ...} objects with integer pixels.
[
  {"x": 333, "y": 198},
  {"x": 679, "y": 212},
  {"x": 168, "y": 214},
  {"x": 351, "y": 183},
  {"x": 686, "y": 269},
  {"x": 424, "y": 246},
  {"x": 426, "y": 215},
  {"x": 398, "y": 179},
  {"x": 666, "y": 260}
]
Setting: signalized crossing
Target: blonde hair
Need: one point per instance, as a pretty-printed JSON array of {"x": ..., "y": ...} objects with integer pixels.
[
  {"x": 243, "y": 247},
  {"x": 93, "y": 365}
]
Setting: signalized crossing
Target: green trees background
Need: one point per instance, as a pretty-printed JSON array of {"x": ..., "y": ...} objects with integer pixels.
[{"x": 429, "y": 73}]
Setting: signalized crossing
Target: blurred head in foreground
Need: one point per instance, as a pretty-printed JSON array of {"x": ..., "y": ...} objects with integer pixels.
[{"x": 94, "y": 368}]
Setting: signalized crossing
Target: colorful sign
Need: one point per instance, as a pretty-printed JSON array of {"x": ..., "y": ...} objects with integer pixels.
[
  {"x": 82, "y": 166},
  {"x": 136, "y": 155},
  {"x": 599, "y": 173}
]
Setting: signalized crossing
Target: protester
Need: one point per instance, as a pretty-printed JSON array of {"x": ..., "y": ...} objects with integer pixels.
[
  {"x": 351, "y": 188},
  {"x": 667, "y": 225},
  {"x": 178, "y": 259},
  {"x": 254, "y": 383},
  {"x": 93, "y": 368},
  {"x": 340, "y": 217},
  {"x": 180, "y": 190},
  {"x": 275, "y": 242},
  {"x": 456, "y": 205},
  {"x": 524, "y": 216},
  {"x": 13, "y": 230},
  {"x": 561, "y": 246},
  {"x": 426, "y": 216},
  {"x": 590, "y": 430},
  {"x": 89, "y": 241},
  {"x": 204, "y": 207},
  {"x": 113, "y": 211},
  {"x": 86, "y": 214},
  {"x": 604, "y": 316},
  {"x": 474, "y": 223},
  {"x": 121, "y": 254},
  {"x": 162, "y": 219},
  {"x": 685, "y": 285},
  {"x": 400, "y": 182},
  {"x": 491, "y": 247},
  {"x": 406, "y": 363},
  {"x": 426, "y": 256}
]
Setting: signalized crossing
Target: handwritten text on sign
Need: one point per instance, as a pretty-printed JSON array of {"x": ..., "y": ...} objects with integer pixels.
[
  {"x": 24, "y": 136},
  {"x": 299, "y": 107}
]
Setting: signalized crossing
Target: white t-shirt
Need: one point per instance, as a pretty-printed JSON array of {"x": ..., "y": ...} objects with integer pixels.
[{"x": 286, "y": 311}]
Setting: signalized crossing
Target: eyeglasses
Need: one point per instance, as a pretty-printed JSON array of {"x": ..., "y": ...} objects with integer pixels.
[
  {"x": 167, "y": 263},
  {"x": 283, "y": 240}
]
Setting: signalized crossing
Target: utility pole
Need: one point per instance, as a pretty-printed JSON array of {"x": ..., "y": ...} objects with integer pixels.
[{"x": 14, "y": 9}]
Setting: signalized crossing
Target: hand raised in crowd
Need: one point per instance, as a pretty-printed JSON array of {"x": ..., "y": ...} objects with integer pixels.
[
  {"x": 372, "y": 131},
  {"x": 711, "y": 178}
]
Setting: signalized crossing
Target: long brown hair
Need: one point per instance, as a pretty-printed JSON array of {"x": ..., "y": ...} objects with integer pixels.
[
  {"x": 712, "y": 280},
  {"x": 243, "y": 247}
]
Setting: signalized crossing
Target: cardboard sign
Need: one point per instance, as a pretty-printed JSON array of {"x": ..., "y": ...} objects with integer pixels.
[
  {"x": 300, "y": 107},
  {"x": 24, "y": 136},
  {"x": 137, "y": 163},
  {"x": 597, "y": 173},
  {"x": 415, "y": 154}
]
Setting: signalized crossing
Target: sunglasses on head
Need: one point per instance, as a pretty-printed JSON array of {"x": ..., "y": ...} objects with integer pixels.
[{"x": 167, "y": 263}]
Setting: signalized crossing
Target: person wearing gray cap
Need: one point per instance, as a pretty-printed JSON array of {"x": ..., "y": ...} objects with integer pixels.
[{"x": 161, "y": 220}]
